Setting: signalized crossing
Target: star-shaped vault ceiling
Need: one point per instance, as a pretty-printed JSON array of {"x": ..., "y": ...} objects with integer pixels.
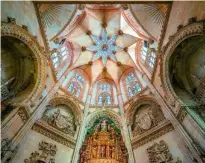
[{"x": 101, "y": 39}]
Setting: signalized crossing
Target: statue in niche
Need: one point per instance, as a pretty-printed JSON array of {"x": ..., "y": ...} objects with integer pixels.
[
  {"x": 103, "y": 126},
  {"x": 94, "y": 152},
  {"x": 159, "y": 153}
]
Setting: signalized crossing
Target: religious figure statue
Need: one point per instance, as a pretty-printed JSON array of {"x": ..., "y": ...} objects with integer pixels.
[
  {"x": 113, "y": 153},
  {"x": 94, "y": 152},
  {"x": 103, "y": 126}
]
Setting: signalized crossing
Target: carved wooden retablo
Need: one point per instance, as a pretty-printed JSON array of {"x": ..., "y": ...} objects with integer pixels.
[{"x": 104, "y": 146}]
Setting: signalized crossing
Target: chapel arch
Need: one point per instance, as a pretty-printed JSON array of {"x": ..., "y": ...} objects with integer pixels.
[
  {"x": 183, "y": 68},
  {"x": 22, "y": 68}
]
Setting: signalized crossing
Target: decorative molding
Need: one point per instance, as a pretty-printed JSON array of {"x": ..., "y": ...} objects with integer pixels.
[
  {"x": 13, "y": 30},
  {"x": 196, "y": 28},
  {"x": 46, "y": 153},
  {"x": 152, "y": 134},
  {"x": 52, "y": 133}
]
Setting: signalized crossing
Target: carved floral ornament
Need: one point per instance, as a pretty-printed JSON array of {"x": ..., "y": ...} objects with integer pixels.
[
  {"x": 196, "y": 28},
  {"x": 159, "y": 153},
  {"x": 45, "y": 154},
  {"x": 64, "y": 100},
  {"x": 13, "y": 30}
]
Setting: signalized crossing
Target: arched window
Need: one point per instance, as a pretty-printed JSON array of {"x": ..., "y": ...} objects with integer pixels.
[
  {"x": 64, "y": 53},
  {"x": 59, "y": 57},
  {"x": 151, "y": 60},
  {"x": 55, "y": 60},
  {"x": 76, "y": 84},
  {"x": 104, "y": 94},
  {"x": 132, "y": 84},
  {"x": 148, "y": 56},
  {"x": 104, "y": 98}
]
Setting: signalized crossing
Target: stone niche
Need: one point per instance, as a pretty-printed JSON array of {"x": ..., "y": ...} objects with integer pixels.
[
  {"x": 146, "y": 117},
  {"x": 61, "y": 117}
]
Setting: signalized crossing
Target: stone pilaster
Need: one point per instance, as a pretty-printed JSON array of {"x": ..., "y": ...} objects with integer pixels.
[
  {"x": 126, "y": 131},
  {"x": 81, "y": 132}
]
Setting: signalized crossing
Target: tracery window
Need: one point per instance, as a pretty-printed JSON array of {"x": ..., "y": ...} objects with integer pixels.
[
  {"x": 104, "y": 94},
  {"x": 76, "y": 85},
  {"x": 55, "y": 60},
  {"x": 104, "y": 98},
  {"x": 132, "y": 84},
  {"x": 148, "y": 56},
  {"x": 152, "y": 59},
  {"x": 60, "y": 56}
]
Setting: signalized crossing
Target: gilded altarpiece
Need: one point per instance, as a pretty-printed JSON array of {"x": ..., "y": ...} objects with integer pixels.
[{"x": 104, "y": 144}]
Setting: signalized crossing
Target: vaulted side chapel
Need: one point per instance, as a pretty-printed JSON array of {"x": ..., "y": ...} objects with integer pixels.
[{"x": 89, "y": 82}]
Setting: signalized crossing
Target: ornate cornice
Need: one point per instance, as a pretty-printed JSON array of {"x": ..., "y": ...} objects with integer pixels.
[
  {"x": 152, "y": 134},
  {"x": 13, "y": 30},
  {"x": 49, "y": 131},
  {"x": 192, "y": 29}
]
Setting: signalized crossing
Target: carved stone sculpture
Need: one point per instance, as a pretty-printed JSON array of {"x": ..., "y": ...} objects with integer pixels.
[
  {"x": 159, "y": 153},
  {"x": 46, "y": 153},
  {"x": 61, "y": 122}
]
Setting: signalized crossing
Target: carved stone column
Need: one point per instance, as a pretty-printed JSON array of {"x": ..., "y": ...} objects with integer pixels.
[
  {"x": 126, "y": 131},
  {"x": 81, "y": 132},
  {"x": 176, "y": 124}
]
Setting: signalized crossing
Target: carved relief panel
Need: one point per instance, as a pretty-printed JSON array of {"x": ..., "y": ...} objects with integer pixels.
[
  {"x": 45, "y": 154},
  {"x": 60, "y": 117},
  {"x": 159, "y": 153},
  {"x": 145, "y": 117}
]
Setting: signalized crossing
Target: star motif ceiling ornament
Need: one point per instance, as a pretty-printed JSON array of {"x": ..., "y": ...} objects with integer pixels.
[{"x": 104, "y": 47}]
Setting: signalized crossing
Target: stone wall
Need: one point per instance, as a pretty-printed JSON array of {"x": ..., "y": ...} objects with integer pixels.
[
  {"x": 24, "y": 13},
  {"x": 30, "y": 144},
  {"x": 180, "y": 14},
  {"x": 175, "y": 146}
]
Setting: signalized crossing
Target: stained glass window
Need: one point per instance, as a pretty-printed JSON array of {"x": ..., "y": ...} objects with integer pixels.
[
  {"x": 64, "y": 52},
  {"x": 152, "y": 60},
  {"x": 132, "y": 84},
  {"x": 79, "y": 78},
  {"x": 104, "y": 97},
  {"x": 104, "y": 87},
  {"x": 147, "y": 55},
  {"x": 74, "y": 88},
  {"x": 55, "y": 60}
]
